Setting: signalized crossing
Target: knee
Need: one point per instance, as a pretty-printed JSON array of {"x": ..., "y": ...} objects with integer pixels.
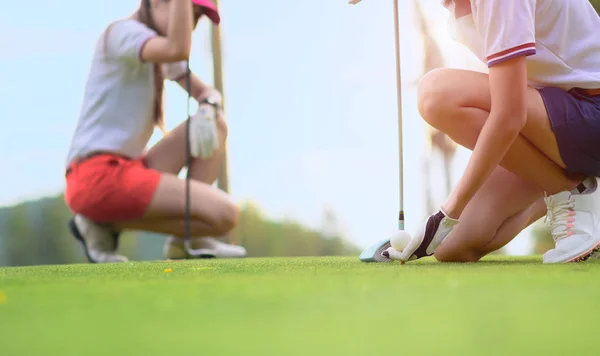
[
  {"x": 222, "y": 128},
  {"x": 435, "y": 95},
  {"x": 226, "y": 218}
]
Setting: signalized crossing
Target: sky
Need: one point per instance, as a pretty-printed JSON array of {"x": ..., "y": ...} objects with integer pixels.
[{"x": 310, "y": 95}]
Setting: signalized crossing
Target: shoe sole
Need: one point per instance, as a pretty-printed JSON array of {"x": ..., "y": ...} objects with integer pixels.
[
  {"x": 203, "y": 253},
  {"x": 75, "y": 232},
  {"x": 582, "y": 257},
  {"x": 200, "y": 256},
  {"x": 206, "y": 256}
]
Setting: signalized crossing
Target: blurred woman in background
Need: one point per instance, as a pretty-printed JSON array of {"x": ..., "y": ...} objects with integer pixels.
[{"x": 112, "y": 182}]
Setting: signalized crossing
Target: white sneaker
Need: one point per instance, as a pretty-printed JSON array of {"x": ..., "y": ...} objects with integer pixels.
[
  {"x": 99, "y": 242},
  {"x": 204, "y": 247},
  {"x": 574, "y": 221}
]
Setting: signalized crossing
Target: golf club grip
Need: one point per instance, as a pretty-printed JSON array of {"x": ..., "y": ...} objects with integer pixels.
[{"x": 401, "y": 220}]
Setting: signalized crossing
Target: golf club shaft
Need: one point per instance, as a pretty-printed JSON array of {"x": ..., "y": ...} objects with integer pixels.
[
  {"x": 188, "y": 157},
  {"x": 399, "y": 99}
]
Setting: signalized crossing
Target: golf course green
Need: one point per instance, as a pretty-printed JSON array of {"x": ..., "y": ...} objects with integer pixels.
[{"x": 301, "y": 306}]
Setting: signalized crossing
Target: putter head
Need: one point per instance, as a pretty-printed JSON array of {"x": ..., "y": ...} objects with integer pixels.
[
  {"x": 354, "y": 2},
  {"x": 373, "y": 253}
]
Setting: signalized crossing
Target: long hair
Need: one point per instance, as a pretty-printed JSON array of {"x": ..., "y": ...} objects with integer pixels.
[{"x": 145, "y": 17}]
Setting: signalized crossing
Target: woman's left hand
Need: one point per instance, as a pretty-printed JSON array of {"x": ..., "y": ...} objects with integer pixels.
[{"x": 213, "y": 94}]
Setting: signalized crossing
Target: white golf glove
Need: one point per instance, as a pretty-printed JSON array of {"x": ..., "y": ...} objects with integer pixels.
[
  {"x": 437, "y": 228},
  {"x": 204, "y": 136}
]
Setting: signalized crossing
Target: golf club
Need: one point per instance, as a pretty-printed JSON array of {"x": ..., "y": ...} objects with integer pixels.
[
  {"x": 198, "y": 253},
  {"x": 373, "y": 253}
]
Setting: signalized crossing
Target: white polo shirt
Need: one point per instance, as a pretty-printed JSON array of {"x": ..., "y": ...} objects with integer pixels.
[
  {"x": 560, "y": 37},
  {"x": 117, "y": 113}
]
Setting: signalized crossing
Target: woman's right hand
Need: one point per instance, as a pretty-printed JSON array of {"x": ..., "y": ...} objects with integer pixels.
[{"x": 176, "y": 43}]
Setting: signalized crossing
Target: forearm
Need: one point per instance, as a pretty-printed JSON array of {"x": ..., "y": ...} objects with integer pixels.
[
  {"x": 200, "y": 90},
  {"x": 495, "y": 139},
  {"x": 180, "y": 27}
]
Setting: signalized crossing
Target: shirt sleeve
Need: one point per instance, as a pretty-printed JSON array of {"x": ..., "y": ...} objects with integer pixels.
[
  {"x": 175, "y": 71},
  {"x": 507, "y": 28},
  {"x": 126, "y": 39}
]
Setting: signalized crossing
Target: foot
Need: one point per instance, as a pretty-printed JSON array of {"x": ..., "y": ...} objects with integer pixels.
[
  {"x": 437, "y": 229},
  {"x": 99, "y": 242},
  {"x": 574, "y": 220},
  {"x": 206, "y": 247}
]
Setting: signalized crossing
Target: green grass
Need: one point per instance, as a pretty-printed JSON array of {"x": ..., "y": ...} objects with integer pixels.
[{"x": 303, "y": 306}]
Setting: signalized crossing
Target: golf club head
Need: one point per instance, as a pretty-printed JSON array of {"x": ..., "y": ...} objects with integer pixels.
[
  {"x": 197, "y": 253},
  {"x": 354, "y": 2},
  {"x": 373, "y": 253}
]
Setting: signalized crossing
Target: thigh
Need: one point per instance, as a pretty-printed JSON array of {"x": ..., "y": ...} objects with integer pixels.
[
  {"x": 169, "y": 227},
  {"x": 168, "y": 155},
  {"x": 463, "y": 88},
  {"x": 208, "y": 204},
  {"x": 503, "y": 196}
]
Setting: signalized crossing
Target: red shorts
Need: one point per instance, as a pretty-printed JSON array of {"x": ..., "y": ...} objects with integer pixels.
[{"x": 110, "y": 188}]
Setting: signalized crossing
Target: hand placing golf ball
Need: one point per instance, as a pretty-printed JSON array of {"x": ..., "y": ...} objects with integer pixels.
[{"x": 400, "y": 240}]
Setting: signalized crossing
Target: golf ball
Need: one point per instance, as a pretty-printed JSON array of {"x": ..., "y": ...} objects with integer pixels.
[{"x": 400, "y": 240}]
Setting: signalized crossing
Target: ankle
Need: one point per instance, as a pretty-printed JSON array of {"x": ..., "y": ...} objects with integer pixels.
[{"x": 584, "y": 186}]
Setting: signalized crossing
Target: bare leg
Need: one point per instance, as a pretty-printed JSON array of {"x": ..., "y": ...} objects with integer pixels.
[
  {"x": 173, "y": 227},
  {"x": 208, "y": 205},
  {"x": 460, "y": 111},
  {"x": 500, "y": 210},
  {"x": 168, "y": 155},
  {"x": 514, "y": 225},
  {"x": 212, "y": 212},
  {"x": 507, "y": 202}
]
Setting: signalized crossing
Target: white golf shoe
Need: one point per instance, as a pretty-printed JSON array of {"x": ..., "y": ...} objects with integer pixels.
[
  {"x": 574, "y": 221},
  {"x": 204, "y": 247},
  {"x": 99, "y": 242}
]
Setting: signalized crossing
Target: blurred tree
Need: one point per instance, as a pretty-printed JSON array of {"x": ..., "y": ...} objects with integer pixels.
[
  {"x": 437, "y": 140},
  {"x": 542, "y": 239},
  {"x": 51, "y": 233},
  {"x": 36, "y": 232},
  {"x": 15, "y": 234},
  {"x": 264, "y": 237}
]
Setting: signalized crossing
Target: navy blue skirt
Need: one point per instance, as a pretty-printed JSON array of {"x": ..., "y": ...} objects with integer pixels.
[{"x": 575, "y": 120}]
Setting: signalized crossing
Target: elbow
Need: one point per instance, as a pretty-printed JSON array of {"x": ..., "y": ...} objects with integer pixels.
[
  {"x": 513, "y": 122},
  {"x": 179, "y": 52}
]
